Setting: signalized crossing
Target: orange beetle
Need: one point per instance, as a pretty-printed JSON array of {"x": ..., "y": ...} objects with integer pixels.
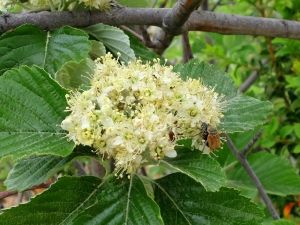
[{"x": 211, "y": 136}]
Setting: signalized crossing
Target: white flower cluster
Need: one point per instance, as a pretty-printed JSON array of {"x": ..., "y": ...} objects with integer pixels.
[{"x": 135, "y": 113}]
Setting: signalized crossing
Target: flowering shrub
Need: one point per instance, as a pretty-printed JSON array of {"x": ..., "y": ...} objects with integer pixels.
[
  {"x": 136, "y": 112},
  {"x": 132, "y": 114}
]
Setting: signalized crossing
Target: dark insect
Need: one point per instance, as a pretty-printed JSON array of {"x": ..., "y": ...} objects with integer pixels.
[
  {"x": 211, "y": 136},
  {"x": 171, "y": 136}
]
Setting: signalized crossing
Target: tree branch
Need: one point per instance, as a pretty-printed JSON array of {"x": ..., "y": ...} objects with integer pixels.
[
  {"x": 246, "y": 25},
  {"x": 177, "y": 16},
  {"x": 198, "y": 21},
  {"x": 244, "y": 162},
  {"x": 173, "y": 22}
]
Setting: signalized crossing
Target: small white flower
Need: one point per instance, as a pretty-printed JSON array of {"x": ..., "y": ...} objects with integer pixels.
[
  {"x": 67, "y": 123},
  {"x": 117, "y": 141},
  {"x": 85, "y": 122},
  {"x": 107, "y": 122},
  {"x": 171, "y": 153}
]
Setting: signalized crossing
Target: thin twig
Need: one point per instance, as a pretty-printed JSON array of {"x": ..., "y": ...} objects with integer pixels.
[
  {"x": 204, "y": 5},
  {"x": 264, "y": 13},
  {"x": 134, "y": 33},
  {"x": 187, "y": 50},
  {"x": 244, "y": 162},
  {"x": 271, "y": 51},
  {"x": 251, "y": 143},
  {"x": 146, "y": 37},
  {"x": 216, "y": 5},
  {"x": 80, "y": 168},
  {"x": 249, "y": 81},
  {"x": 143, "y": 37},
  {"x": 163, "y": 4}
]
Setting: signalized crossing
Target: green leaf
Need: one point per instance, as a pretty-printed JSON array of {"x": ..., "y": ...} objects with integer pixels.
[
  {"x": 296, "y": 150},
  {"x": 122, "y": 203},
  {"x": 29, "y": 45},
  {"x": 279, "y": 222},
  {"x": 270, "y": 131},
  {"x": 34, "y": 107},
  {"x": 85, "y": 200},
  {"x": 244, "y": 113},
  {"x": 276, "y": 174},
  {"x": 63, "y": 45},
  {"x": 74, "y": 75},
  {"x": 184, "y": 201},
  {"x": 209, "y": 75},
  {"x": 297, "y": 129},
  {"x": 34, "y": 170},
  {"x": 285, "y": 130},
  {"x": 140, "y": 50},
  {"x": 97, "y": 49},
  {"x": 114, "y": 39},
  {"x": 23, "y": 45},
  {"x": 286, "y": 47},
  {"x": 283, "y": 222},
  {"x": 58, "y": 205},
  {"x": 293, "y": 83},
  {"x": 202, "y": 168}
]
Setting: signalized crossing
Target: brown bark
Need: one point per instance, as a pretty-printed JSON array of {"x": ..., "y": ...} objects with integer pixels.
[{"x": 198, "y": 21}]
